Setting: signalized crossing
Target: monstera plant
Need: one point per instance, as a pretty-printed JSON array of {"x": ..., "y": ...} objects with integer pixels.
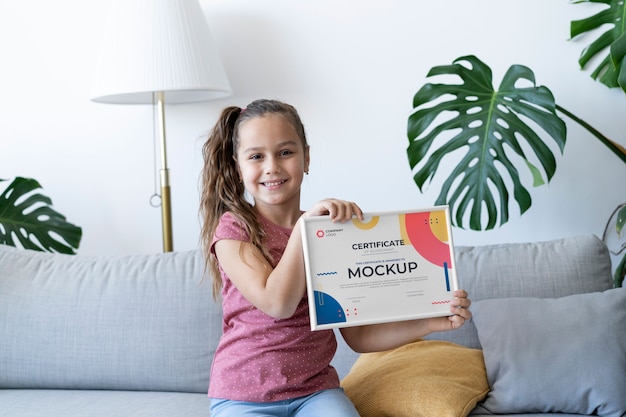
[
  {"x": 492, "y": 134},
  {"x": 27, "y": 218},
  {"x": 610, "y": 71}
]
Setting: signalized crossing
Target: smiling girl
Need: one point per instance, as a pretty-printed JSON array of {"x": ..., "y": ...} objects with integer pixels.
[{"x": 269, "y": 362}]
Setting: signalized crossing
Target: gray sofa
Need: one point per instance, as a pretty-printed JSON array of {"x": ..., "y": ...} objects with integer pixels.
[{"x": 134, "y": 335}]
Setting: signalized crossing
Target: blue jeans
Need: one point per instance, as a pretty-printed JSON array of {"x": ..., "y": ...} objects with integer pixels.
[{"x": 326, "y": 403}]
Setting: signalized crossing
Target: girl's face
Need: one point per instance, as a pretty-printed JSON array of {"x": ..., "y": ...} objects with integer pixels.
[{"x": 272, "y": 161}]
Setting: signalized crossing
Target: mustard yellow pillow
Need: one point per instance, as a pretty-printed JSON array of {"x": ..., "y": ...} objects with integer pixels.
[{"x": 427, "y": 378}]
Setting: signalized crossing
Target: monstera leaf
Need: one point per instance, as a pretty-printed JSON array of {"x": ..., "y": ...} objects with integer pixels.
[
  {"x": 610, "y": 71},
  {"x": 614, "y": 239},
  {"x": 620, "y": 271},
  {"x": 490, "y": 130},
  {"x": 621, "y": 220},
  {"x": 29, "y": 217}
]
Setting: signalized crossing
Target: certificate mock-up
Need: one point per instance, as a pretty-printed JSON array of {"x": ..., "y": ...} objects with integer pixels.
[{"x": 392, "y": 266}]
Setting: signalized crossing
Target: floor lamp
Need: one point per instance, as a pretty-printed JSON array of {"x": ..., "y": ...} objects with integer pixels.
[{"x": 157, "y": 52}]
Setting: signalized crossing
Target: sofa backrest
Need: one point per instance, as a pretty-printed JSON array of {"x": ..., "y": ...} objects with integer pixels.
[
  {"x": 550, "y": 269},
  {"x": 144, "y": 322},
  {"x": 148, "y": 322}
]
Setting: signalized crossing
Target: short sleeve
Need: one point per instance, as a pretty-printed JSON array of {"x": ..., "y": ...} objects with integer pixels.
[{"x": 229, "y": 228}]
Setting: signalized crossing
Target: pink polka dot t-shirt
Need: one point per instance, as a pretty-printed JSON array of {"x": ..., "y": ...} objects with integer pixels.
[{"x": 260, "y": 358}]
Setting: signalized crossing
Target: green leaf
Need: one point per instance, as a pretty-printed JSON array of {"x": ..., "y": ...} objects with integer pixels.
[
  {"x": 620, "y": 221},
  {"x": 537, "y": 178},
  {"x": 609, "y": 47},
  {"x": 620, "y": 270},
  {"x": 28, "y": 217},
  {"x": 483, "y": 127}
]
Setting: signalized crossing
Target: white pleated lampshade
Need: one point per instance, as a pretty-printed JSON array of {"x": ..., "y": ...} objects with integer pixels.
[{"x": 158, "y": 45}]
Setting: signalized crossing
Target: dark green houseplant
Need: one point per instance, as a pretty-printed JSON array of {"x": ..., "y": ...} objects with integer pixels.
[
  {"x": 497, "y": 132},
  {"x": 27, "y": 218}
]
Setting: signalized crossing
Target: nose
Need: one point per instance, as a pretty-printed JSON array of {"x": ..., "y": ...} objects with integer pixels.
[{"x": 272, "y": 166}]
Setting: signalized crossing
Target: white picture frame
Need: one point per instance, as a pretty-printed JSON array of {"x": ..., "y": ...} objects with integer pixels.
[{"x": 392, "y": 266}]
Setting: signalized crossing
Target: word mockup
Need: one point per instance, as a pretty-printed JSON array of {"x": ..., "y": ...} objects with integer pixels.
[{"x": 392, "y": 266}]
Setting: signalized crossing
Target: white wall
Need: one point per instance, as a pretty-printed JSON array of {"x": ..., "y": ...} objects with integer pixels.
[{"x": 351, "y": 67}]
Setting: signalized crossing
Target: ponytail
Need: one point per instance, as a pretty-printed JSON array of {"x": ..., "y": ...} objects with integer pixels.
[{"x": 223, "y": 191}]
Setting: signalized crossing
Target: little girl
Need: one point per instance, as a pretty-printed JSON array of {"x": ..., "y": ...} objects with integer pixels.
[{"x": 269, "y": 362}]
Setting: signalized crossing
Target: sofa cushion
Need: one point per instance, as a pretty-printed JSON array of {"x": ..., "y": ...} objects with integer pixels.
[
  {"x": 142, "y": 322},
  {"x": 550, "y": 269},
  {"x": 101, "y": 403},
  {"x": 425, "y": 378},
  {"x": 563, "y": 355}
]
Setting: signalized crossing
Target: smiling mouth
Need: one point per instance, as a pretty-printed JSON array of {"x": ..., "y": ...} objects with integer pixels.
[{"x": 274, "y": 183}]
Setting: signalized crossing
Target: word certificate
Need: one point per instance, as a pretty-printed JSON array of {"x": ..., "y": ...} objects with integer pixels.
[{"x": 392, "y": 266}]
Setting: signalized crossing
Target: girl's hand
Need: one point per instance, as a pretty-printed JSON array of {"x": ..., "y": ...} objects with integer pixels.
[
  {"x": 459, "y": 307},
  {"x": 338, "y": 210},
  {"x": 385, "y": 336}
]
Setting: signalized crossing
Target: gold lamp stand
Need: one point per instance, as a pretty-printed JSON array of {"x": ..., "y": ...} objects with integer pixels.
[{"x": 166, "y": 197}]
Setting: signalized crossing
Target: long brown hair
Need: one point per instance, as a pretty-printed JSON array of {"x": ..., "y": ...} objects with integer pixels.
[{"x": 222, "y": 190}]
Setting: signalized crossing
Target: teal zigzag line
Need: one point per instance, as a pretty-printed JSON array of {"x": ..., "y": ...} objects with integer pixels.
[{"x": 326, "y": 273}]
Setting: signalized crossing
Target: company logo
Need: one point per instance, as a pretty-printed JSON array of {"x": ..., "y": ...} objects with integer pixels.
[{"x": 326, "y": 233}]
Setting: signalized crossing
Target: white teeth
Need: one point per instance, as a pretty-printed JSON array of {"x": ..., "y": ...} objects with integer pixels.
[{"x": 273, "y": 184}]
